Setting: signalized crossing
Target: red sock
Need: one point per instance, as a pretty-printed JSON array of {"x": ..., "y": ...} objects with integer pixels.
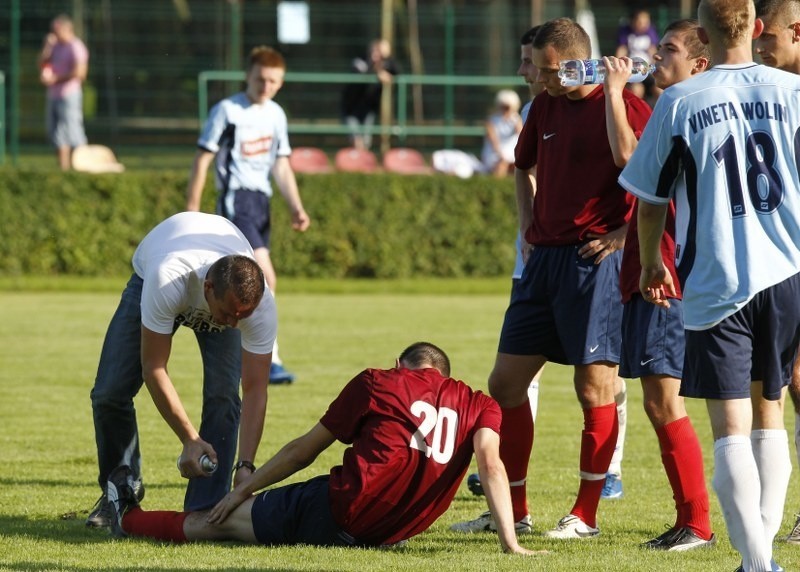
[
  {"x": 599, "y": 437},
  {"x": 516, "y": 443},
  {"x": 683, "y": 461},
  {"x": 157, "y": 524}
]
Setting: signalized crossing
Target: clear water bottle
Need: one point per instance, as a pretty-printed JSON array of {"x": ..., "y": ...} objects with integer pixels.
[{"x": 583, "y": 72}]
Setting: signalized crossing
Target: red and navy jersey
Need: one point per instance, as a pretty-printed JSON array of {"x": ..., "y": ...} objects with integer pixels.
[
  {"x": 412, "y": 441},
  {"x": 631, "y": 268},
  {"x": 576, "y": 178}
]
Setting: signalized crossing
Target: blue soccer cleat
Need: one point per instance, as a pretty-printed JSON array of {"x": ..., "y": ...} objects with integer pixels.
[
  {"x": 278, "y": 374},
  {"x": 612, "y": 489}
]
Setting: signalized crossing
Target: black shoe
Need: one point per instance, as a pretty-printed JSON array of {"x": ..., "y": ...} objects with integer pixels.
[
  {"x": 679, "y": 540},
  {"x": 121, "y": 496},
  {"x": 474, "y": 484},
  {"x": 100, "y": 515}
]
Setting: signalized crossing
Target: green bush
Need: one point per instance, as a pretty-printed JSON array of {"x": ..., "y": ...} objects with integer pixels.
[{"x": 377, "y": 225}]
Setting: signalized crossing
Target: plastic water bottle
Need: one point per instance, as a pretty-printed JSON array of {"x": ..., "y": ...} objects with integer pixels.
[{"x": 583, "y": 72}]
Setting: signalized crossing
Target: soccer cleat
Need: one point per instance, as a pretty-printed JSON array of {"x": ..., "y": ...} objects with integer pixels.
[
  {"x": 100, "y": 516},
  {"x": 121, "y": 496},
  {"x": 279, "y": 374},
  {"x": 485, "y": 523},
  {"x": 474, "y": 484},
  {"x": 679, "y": 540},
  {"x": 612, "y": 489},
  {"x": 794, "y": 535},
  {"x": 571, "y": 527}
]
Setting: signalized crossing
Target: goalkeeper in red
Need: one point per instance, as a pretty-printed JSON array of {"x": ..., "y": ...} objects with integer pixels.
[{"x": 412, "y": 431}]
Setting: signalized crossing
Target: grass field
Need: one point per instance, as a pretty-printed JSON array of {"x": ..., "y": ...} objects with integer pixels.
[{"x": 50, "y": 337}]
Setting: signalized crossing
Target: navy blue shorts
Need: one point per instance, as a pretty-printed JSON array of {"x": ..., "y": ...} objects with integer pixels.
[
  {"x": 565, "y": 308},
  {"x": 653, "y": 339},
  {"x": 250, "y": 212},
  {"x": 297, "y": 514},
  {"x": 757, "y": 343}
]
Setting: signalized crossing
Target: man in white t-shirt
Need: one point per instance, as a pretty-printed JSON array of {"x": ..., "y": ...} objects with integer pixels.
[{"x": 196, "y": 270}]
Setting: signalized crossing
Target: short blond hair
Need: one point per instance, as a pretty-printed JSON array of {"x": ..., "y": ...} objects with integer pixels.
[{"x": 730, "y": 21}]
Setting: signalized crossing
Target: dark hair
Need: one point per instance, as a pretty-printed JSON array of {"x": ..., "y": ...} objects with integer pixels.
[
  {"x": 267, "y": 57},
  {"x": 566, "y": 36},
  {"x": 527, "y": 37},
  {"x": 424, "y": 353},
  {"x": 239, "y": 274},
  {"x": 688, "y": 29}
]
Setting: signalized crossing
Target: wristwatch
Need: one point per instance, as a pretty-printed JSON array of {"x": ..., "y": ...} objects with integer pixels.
[{"x": 246, "y": 464}]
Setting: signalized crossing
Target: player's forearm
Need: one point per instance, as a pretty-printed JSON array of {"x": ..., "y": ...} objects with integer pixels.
[
  {"x": 251, "y": 426},
  {"x": 650, "y": 221},
  {"x": 621, "y": 137},
  {"x": 169, "y": 405},
  {"x": 495, "y": 485},
  {"x": 525, "y": 191},
  {"x": 197, "y": 179}
]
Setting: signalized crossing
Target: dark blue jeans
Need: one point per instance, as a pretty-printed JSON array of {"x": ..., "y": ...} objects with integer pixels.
[{"x": 119, "y": 378}]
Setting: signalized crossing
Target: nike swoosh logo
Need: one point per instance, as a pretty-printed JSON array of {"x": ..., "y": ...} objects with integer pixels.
[
  {"x": 645, "y": 362},
  {"x": 594, "y": 349},
  {"x": 547, "y": 136}
]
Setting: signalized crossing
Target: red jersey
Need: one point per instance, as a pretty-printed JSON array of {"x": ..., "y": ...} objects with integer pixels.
[
  {"x": 411, "y": 433},
  {"x": 576, "y": 179},
  {"x": 631, "y": 269}
]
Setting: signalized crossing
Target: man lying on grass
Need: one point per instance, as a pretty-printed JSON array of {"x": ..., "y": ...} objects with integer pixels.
[{"x": 412, "y": 431}]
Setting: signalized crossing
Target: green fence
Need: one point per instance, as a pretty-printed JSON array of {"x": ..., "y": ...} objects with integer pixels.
[{"x": 447, "y": 128}]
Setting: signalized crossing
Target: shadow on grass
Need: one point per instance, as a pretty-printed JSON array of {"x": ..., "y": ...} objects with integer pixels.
[{"x": 27, "y": 566}]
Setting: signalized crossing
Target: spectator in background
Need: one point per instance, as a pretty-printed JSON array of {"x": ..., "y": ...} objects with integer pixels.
[
  {"x": 502, "y": 130},
  {"x": 64, "y": 62},
  {"x": 638, "y": 38},
  {"x": 361, "y": 102}
]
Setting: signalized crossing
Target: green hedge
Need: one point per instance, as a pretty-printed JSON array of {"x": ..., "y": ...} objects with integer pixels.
[{"x": 378, "y": 225}]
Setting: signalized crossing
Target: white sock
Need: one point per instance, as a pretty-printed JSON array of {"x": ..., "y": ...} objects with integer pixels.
[
  {"x": 771, "y": 452},
  {"x": 797, "y": 437},
  {"x": 622, "y": 414},
  {"x": 276, "y": 359},
  {"x": 736, "y": 482},
  {"x": 533, "y": 394}
]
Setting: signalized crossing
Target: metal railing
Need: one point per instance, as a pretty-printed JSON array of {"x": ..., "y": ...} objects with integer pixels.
[
  {"x": 2, "y": 118},
  {"x": 401, "y": 128}
]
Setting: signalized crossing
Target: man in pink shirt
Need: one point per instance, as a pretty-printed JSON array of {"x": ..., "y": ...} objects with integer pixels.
[{"x": 64, "y": 61}]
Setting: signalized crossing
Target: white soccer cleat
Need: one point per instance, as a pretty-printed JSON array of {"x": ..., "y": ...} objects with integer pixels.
[
  {"x": 485, "y": 523},
  {"x": 571, "y": 527}
]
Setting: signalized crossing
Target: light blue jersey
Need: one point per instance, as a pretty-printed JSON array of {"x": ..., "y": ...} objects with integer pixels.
[
  {"x": 734, "y": 132},
  {"x": 247, "y": 138}
]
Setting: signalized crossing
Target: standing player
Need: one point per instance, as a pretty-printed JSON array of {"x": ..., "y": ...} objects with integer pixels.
[
  {"x": 779, "y": 47},
  {"x": 412, "y": 431},
  {"x": 652, "y": 337},
  {"x": 195, "y": 270},
  {"x": 730, "y": 133},
  {"x": 613, "y": 484},
  {"x": 247, "y": 133},
  {"x": 566, "y": 307}
]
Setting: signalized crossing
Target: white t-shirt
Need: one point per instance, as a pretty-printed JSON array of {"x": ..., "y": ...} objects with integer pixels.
[
  {"x": 247, "y": 138},
  {"x": 733, "y": 133},
  {"x": 173, "y": 260}
]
